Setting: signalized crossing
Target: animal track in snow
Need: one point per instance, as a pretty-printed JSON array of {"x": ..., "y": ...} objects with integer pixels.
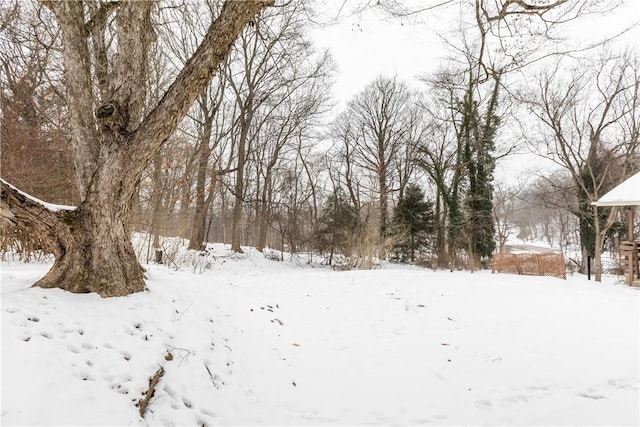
[
  {"x": 85, "y": 376},
  {"x": 594, "y": 396}
]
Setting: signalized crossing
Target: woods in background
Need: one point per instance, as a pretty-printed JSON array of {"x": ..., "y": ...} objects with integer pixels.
[{"x": 138, "y": 114}]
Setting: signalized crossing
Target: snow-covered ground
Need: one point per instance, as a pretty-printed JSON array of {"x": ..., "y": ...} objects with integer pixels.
[{"x": 260, "y": 342}]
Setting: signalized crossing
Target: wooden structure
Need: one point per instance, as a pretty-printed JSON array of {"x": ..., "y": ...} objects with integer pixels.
[
  {"x": 627, "y": 194},
  {"x": 630, "y": 261}
]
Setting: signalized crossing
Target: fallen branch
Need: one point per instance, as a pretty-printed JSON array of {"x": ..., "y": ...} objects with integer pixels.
[
  {"x": 153, "y": 382},
  {"x": 211, "y": 375}
]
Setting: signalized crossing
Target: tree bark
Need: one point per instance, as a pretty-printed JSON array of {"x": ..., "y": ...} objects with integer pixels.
[{"x": 91, "y": 254}]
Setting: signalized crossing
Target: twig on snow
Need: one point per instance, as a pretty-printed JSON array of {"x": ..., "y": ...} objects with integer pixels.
[{"x": 153, "y": 382}]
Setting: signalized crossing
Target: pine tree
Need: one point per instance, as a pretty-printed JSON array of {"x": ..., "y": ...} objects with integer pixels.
[
  {"x": 338, "y": 224},
  {"x": 413, "y": 220}
]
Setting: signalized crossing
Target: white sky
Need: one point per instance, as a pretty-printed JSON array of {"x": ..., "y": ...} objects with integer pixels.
[{"x": 370, "y": 44}]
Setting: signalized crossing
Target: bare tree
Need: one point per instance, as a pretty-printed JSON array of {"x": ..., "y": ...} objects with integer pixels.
[
  {"x": 589, "y": 126},
  {"x": 544, "y": 213},
  {"x": 113, "y": 143},
  {"x": 211, "y": 129},
  {"x": 340, "y": 162},
  {"x": 206, "y": 124},
  {"x": 505, "y": 210},
  {"x": 439, "y": 157},
  {"x": 290, "y": 123},
  {"x": 379, "y": 125},
  {"x": 273, "y": 64}
]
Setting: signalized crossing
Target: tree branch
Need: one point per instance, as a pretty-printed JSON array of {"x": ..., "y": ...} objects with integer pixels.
[
  {"x": 44, "y": 221},
  {"x": 163, "y": 120},
  {"x": 98, "y": 19},
  {"x": 130, "y": 66}
]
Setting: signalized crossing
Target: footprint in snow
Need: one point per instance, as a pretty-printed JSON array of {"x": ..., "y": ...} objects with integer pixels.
[
  {"x": 593, "y": 396},
  {"x": 483, "y": 404}
]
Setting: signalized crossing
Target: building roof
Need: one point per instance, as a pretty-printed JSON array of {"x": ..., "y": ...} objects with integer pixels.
[{"x": 625, "y": 194}]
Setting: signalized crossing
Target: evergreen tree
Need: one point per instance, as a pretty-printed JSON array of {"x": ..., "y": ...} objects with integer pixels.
[
  {"x": 413, "y": 219},
  {"x": 338, "y": 223}
]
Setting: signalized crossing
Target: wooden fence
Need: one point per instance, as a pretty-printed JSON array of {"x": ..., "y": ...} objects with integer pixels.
[{"x": 530, "y": 264}]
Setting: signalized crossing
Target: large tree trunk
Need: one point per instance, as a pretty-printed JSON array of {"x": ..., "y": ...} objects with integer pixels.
[
  {"x": 91, "y": 245},
  {"x": 111, "y": 149},
  {"x": 103, "y": 262}
]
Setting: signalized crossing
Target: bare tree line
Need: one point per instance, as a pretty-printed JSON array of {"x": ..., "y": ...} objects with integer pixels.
[{"x": 174, "y": 138}]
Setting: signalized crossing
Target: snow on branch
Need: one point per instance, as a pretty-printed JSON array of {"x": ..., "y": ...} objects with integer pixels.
[
  {"x": 51, "y": 206},
  {"x": 41, "y": 220}
]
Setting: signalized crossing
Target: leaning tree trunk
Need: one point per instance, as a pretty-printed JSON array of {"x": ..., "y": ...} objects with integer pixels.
[{"x": 91, "y": 244}]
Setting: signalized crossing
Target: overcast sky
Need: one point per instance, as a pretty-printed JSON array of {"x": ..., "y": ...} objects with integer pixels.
[{"x": 371, "y": 43}]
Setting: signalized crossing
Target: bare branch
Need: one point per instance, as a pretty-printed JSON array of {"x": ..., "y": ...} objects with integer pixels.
[{"x": 163, "y": 120}]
